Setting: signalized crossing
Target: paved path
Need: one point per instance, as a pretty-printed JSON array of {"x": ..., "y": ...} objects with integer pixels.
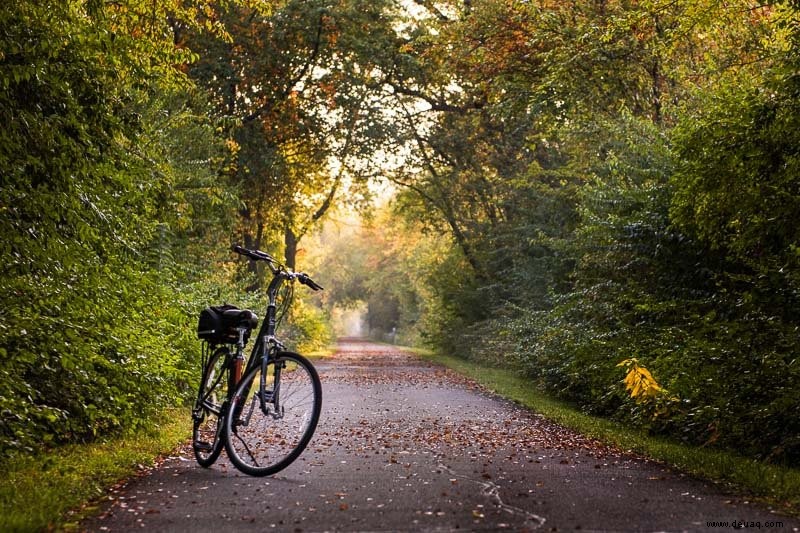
[{"x": 406, "y": 446}]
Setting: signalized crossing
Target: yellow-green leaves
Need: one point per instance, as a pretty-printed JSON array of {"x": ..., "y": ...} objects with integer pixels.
[{"x": 639, "y": 382}]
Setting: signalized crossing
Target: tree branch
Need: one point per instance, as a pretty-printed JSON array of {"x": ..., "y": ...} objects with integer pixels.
[
  {"x": 444, "y": 205},
  {"x": 427, "y": 4},
  {"x": 297, "y": 79},
  {"x": 436, "y": 105}
]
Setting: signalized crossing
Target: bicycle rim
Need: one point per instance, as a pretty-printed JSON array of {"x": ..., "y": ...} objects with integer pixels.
[
  {"x": 208, "y": 411},
  {"x": 264, "y": 435}
]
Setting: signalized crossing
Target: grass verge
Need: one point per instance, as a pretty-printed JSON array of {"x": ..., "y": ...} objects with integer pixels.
[
  {"x": 776, "y": 486},
  {"x": 321, "y": 353},
  {"x": 39, "y": 493}
]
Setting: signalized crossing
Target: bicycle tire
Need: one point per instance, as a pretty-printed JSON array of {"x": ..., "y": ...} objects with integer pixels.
[
  {"x": 261, "y": 441},
  {"x": 208, "y": 412}
]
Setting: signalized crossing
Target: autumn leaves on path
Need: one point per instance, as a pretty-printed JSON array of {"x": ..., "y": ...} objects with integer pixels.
[
  {"x": 404, "y": 445},
  {"x": 434, "y": 451}
]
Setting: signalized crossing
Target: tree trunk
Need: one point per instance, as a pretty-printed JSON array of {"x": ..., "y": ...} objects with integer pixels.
[
  {"x": 254, "y": 243},
  {"x": 290, "y": 242}
]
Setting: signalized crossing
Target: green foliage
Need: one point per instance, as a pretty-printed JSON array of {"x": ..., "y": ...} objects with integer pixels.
[
  {"x": 99, "y": 184},
  {"x": 737, "y": 190},
  {"x": 307, "y": 327},
  {"x": 642, "y": 289},
  {"x": 384, "y": 265}
]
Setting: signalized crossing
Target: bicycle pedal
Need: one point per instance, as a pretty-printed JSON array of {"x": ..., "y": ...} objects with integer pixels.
[{"x": 203, "y": 446}]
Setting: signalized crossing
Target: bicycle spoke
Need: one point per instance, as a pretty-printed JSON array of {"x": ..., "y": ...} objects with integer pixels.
[
  {"x": 247, "y": 449},
  {"x": 302, "y": 400},
  {"x": 246, "y": 421}
]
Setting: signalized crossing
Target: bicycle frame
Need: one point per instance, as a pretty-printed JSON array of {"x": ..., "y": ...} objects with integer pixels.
[
  {"x": 265, "y": 347},
  {"x": 266, "y": 342}
]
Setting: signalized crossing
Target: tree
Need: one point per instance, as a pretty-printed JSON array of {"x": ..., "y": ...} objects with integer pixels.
[
  {"x": 542, "y": 136},
  {"x": 386, "y": 264},
  {"x": 291, "y": 76}
]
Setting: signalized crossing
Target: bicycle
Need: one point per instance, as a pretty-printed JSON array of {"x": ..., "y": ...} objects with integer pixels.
[{"x": 263, "y": 409}]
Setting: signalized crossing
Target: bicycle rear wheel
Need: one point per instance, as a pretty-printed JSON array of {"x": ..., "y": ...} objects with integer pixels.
[
  {"x": 207, "y": 414},
  {"x": 273, "y": 414}
]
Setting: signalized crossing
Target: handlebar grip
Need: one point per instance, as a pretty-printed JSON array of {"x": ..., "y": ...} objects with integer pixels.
[
  {"x": 256, "y": 255},
  {"x": 308, "y": 282}
]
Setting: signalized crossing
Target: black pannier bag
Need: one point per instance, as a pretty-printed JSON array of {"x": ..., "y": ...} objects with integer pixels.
[{"x": 218, "y": 323}]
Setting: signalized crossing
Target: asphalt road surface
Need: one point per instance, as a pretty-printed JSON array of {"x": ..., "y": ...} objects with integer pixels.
[{"x": 403, "y": 445}]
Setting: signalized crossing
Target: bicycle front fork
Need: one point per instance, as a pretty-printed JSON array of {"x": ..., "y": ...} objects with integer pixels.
[
  {"x": 267, "y": 399},
  {"x": 267, "y": 396}
]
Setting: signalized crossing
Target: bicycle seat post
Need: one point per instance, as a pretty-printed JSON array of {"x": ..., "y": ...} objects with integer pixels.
[
  {"x": 238, "y": 360},
  {"x": 240, "y": 344}
]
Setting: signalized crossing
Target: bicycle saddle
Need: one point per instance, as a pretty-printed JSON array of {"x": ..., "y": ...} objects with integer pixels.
[{"x": 240, "y": 318}]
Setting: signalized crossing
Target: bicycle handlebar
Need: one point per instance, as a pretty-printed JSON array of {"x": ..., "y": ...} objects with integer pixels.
[
  {"x": 277, "y": 268},
  {"x": 256, "y": 255},
  {"x": 308, "y": 282}
]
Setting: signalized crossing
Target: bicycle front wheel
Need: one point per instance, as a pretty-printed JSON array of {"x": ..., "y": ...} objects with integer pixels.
[
  {"x": 273, "y": 414},
  {"x": 208, "y": 409}
]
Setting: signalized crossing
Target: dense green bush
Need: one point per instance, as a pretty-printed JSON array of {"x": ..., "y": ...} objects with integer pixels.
[
  {"x": 98, "y": 158},
  {"x": 718, "y": 332},
  {"x": 737, "y": 194},
  {"x": 307, "y": 326}
]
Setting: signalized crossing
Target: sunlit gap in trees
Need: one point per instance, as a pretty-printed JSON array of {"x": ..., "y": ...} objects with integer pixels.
[
  {"x": 332, "y": 253},
  {"x": 350, "y": 321}
]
